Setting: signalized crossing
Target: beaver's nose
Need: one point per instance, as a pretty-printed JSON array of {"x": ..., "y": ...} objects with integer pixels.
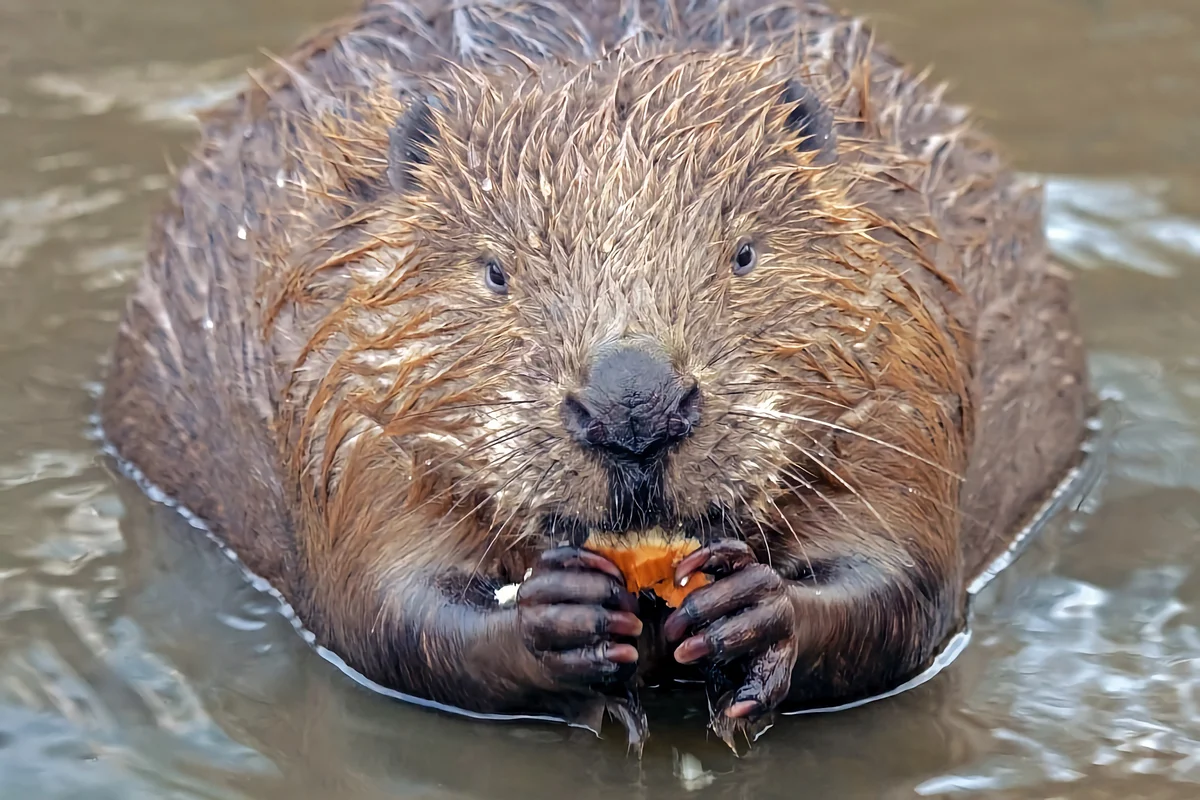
[{"x": 634, "y": 405}]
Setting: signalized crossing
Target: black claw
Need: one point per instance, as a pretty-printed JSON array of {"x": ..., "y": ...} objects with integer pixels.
[{"x": 748, "y": 731}]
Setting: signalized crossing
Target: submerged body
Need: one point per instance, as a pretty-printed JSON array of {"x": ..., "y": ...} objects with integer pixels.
[{"x": 456, "y": 287}]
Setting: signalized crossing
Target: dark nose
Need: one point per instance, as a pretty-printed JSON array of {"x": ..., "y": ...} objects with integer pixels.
[{"x": 633, "y": 405}]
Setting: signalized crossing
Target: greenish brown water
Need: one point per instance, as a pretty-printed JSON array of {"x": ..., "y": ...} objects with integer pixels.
[{"x": 136, "y": 662}]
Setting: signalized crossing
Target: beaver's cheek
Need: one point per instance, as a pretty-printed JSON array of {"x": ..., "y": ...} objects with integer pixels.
[
  {"x": 574, "y": 486},
  {"x": 693, "y": 482}
]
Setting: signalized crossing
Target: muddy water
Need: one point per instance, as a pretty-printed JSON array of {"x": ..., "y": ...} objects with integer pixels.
[{"x": 136, "y": 662}]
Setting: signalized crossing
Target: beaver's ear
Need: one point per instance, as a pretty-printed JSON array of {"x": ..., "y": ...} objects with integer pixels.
[
  {"x": 810, "y": 118},
  {"x": 409, "y": 142}
]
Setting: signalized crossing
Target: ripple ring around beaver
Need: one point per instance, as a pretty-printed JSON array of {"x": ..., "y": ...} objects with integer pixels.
[{"x": 539, "y": 354}]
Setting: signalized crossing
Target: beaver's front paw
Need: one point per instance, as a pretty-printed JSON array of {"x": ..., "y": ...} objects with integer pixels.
[
  {"x": 577, "y": 618},
  {"x": 746, "y": 613}
]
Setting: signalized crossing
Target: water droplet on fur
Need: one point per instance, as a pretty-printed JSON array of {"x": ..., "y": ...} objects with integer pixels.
[
  {"x": 428, "y": 462},
  {"x": 242, "y": 232},
  {"x": 280, "y": 179},
  {"x": 208, "y": 324},
  {"x": 486, "y": 184}
]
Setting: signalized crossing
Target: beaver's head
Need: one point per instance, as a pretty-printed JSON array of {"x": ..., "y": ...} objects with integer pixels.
[{"x": 635, "y": 294}]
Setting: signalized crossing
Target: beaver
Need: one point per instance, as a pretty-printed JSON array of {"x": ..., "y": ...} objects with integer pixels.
[{"x": 454, "y": 286}]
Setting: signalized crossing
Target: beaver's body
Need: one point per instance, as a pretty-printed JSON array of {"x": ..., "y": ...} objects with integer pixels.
[{"x": 460, "y": 283}]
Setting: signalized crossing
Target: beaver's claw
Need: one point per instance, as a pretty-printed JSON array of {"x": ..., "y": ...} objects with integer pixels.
[
  {"x": 577, "y": 618},
  {"x": 733, "y": 730},
  {"x": 748, "y": 711},
  {"x": 623, "y": 707},
  {"x": 747, "y": 615}
]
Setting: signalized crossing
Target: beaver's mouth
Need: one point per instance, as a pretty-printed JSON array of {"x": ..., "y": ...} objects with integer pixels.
[
  {"x": 718, "y": 523},
  {"x": 638, "y": 502},
  {"x": 637, "y": 497}
]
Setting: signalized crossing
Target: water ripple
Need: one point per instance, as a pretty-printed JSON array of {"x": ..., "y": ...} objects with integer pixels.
[
  {"x": 1159, "y": 443},
  {"x": 159, "y": 92},
  {"x": 1094, "y": 223},
  {"x": 27, "y": 223},
  {"x": 1097, "y": 681},
  {"x": 44, "y": 465}
]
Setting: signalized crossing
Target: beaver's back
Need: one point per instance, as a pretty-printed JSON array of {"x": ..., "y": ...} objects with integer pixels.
[{"x": 208, "y": 341}]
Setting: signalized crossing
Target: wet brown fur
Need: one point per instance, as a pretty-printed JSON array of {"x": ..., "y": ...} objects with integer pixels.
[{"x": 312, "y": 363}]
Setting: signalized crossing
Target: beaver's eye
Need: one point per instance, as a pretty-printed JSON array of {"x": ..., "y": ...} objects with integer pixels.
[
  {"x": 745, "y": 260},
  {"x": 494, "y": 277}
]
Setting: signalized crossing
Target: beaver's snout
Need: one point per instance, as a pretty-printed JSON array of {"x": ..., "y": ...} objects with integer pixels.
[{"x": 635, "y": 404}]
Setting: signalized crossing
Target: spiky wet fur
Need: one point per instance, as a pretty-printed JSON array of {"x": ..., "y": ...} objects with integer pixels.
[{"x": 311, "y": 360}]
